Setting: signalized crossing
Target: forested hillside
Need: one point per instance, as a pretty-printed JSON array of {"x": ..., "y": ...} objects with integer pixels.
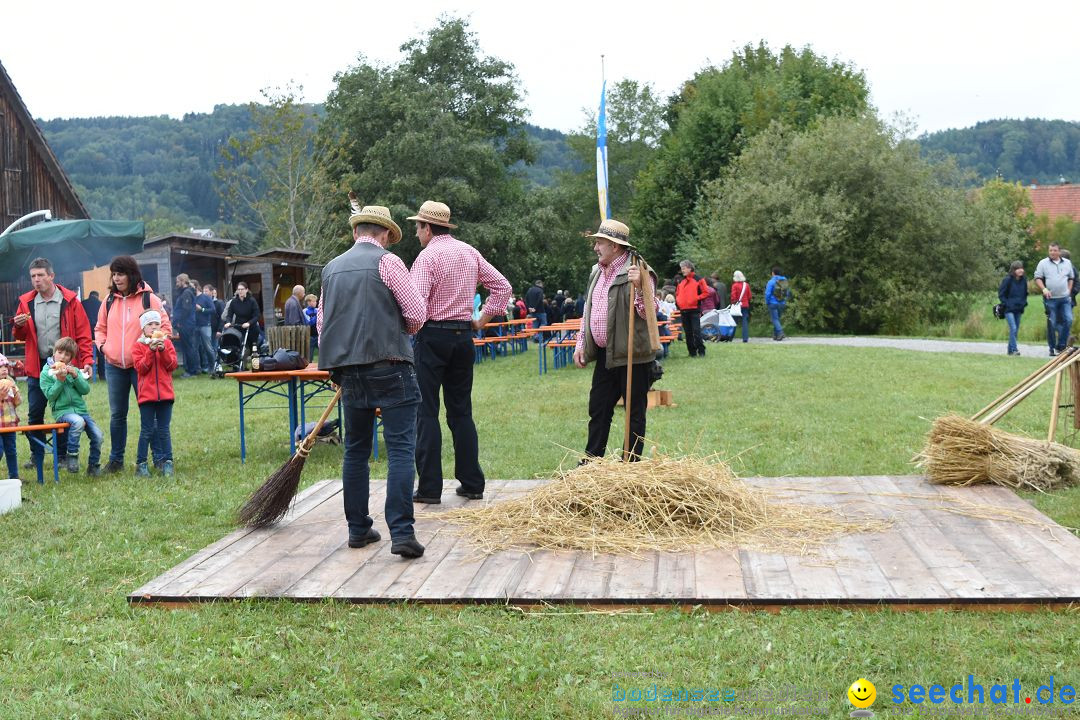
[
  {"x": 161, "y": 170},
  {"x": 1031, "y": 150}
]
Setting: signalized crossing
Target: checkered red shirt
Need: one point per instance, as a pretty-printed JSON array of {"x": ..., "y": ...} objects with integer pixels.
[
  {"x": 395, "y": 275},
  {"x": 447, "y": 272},
  {"x": 598, "y": 316}
]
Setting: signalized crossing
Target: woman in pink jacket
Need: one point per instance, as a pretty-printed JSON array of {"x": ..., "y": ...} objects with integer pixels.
[{"x": 116, "y": 333}]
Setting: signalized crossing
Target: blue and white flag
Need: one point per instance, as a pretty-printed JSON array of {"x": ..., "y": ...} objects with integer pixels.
[{"x": 601, "y": 156}]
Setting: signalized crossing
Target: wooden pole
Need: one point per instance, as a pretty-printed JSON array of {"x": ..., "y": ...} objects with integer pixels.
[
  {"x": 629, "y": 367},
  {"x": 1054, "y": 407},
  {"x": 1011, "y": 392},
  {"x": 1001, "y": 411}
]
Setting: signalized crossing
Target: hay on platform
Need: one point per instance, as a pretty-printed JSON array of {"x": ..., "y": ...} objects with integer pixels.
[
  {"x": 660, "y": 503},
  {"x": 963, "y": 452}
]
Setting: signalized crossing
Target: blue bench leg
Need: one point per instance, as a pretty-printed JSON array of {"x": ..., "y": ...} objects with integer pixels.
[{"x": 55, "y": 458}]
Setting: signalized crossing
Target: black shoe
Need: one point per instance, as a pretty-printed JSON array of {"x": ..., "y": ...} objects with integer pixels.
[
  {"x": 426, "y": 500},
  {"x": 29, "y": 465},
  {"x": 470, "y": 495},
  {"x": 93, "y": 470},
  {"x": 371, "y": 536},
  {"x": 407, "y": 547},
  {"x": 1053, "y": 352},
  {"x": 112, "y": 467}
]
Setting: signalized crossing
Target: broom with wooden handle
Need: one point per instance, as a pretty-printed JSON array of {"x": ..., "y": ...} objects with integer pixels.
[{"x": 271, "y": 501}]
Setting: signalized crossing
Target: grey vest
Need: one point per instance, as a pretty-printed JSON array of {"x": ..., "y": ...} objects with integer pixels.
[{"x": 362, "y": 322}]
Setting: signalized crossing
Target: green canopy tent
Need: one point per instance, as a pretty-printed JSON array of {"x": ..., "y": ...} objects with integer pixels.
[{"x": 70, "y": 245}]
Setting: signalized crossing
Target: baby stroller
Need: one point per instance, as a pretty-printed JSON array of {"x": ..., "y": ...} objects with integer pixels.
[
  {"x": 718, "y": 325},
  {"x": 233, "y": 351}
]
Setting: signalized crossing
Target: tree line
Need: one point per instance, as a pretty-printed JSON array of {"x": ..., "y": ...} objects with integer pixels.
[{"x": 771, "y": 157}]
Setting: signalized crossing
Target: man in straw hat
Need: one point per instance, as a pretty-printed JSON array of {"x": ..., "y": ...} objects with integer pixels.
[
  {"x": 367, "y": 310},
  {"x": 447, "y": 272},
  {"x": 604, "y": 338}
]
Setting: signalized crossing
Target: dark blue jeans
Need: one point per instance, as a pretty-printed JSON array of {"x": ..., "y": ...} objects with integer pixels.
[
  {"x": 775, "y": 313},
  {"x": 77, "y": 424},
  {"x": 35, "y": 415},
  {"x": 1059, "y": 317},
  {"x": 189, "y": 348},
  {"x": 745, "y": 322},
  {"x": 206, "y": 348},
  {"x": 155, "y": 417},
  {"x": 541, "y": 319},
  {"x": 1013, "y": 319},
  {"x": 393, "y": 390},
  {"x": 7, "y": 449},
  {"x": 121, "y": 382}
]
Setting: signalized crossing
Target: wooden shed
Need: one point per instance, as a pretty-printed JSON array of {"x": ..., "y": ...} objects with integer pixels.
[
  {"x": 31, "y": 179},
  {"x": 202, "y": 257},
  {"x": 270, "y": 276}
]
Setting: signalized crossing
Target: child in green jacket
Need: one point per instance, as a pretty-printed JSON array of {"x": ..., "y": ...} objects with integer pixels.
[{"x": 64, "y": 386}]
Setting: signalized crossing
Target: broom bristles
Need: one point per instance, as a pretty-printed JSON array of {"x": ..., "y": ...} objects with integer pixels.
[{"x": 272, "y": 500}]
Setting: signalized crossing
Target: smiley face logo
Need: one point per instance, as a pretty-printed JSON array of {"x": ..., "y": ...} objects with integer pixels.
[{"x": 862, "y": 693}]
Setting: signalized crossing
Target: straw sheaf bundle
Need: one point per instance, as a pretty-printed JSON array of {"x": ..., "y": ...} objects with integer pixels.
[
  {"x": 963, "y": 452},
  {"x": 660, "y": 503}
]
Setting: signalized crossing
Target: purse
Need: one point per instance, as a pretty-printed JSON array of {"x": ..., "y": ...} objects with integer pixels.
[
  {"x": 736, "y": 307},
  {"x": 999, "y": 311}
]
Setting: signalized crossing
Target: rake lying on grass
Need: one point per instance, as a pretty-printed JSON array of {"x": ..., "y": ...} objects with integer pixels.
[
  {"x": 963, "y": 452},
  {"x": 660, "y": 503},
  {"x": 271, "y": 501}
]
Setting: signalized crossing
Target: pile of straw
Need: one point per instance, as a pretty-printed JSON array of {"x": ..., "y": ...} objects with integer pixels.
[
  {"x": 660, "y": 503},
  {"x": 963, "y": 452}
]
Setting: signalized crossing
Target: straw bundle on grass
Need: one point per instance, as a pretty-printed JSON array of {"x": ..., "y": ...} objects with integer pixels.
[
  {"x": 963, "y": 452},
  {"x": 660, "y": 503}
]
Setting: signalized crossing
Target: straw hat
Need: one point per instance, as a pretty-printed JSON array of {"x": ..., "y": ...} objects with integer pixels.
[
  {"x": 434, "y": 213},
  {"x": 376, "y": 215},
  {"x": 614, "y": 231}
]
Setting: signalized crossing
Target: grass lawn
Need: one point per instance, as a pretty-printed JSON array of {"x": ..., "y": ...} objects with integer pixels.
[{"x": 70, "y": 646}]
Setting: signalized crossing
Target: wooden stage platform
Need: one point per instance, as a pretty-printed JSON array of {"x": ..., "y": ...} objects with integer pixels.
[{"x": 929, "y": 556}]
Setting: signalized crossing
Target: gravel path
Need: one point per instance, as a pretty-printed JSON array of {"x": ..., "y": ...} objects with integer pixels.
[{"x": 985, "y": 348}]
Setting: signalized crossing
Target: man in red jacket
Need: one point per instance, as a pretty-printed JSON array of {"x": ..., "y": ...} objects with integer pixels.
[
  {"x": 688, "y": 296},
  {"x": 46, "y": 314}
]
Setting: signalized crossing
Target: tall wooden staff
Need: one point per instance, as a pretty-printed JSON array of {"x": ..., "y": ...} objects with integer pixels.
[
  {"x": 654, "y": 340},
  {"x": 629, "y": 363}
]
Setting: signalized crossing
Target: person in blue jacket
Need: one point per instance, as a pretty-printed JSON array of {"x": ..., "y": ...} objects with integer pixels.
[
  {"x": 1013, "y": 293},
  {"x": 777, "y": 295}
]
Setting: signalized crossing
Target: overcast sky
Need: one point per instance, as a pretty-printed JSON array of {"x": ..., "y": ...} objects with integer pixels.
[{"x": 942, "y": 64}]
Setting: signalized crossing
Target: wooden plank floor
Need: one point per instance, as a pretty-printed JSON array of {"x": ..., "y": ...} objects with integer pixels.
[{"x": 928, "y": 556}]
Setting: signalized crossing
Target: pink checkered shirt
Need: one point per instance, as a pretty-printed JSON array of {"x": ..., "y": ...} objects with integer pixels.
[
  {"x": 395, "y": 275},
  {"x": 598, "y": 316},
  {"x": 447, "y": 272}
]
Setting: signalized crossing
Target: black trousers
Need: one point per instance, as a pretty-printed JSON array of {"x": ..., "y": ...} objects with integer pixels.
[
  {"x": 607, "y": 387},
  {"x": 444, "y": 359},
  {"x": 691, "y": 327}
]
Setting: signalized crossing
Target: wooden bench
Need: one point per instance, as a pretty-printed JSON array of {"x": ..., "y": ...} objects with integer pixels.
[{"x": 56, "y": 429}]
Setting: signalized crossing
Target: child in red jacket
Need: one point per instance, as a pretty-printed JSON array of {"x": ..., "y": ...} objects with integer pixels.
[{"x": 155, "y": 360}]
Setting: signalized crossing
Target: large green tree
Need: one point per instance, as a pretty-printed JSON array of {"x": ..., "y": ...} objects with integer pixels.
[
  {"x": 716, "y": 113},
  {"x": 874, "y": 238},
  {"x": 444, "y": 123},
  {"x": 270, "y": 176}
]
